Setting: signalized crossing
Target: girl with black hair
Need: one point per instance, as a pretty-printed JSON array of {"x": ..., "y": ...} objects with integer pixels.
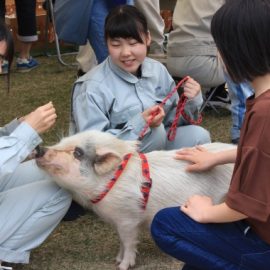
[
  {"x": 234, "y": 234},
  {"x": 119, "y": 95}
]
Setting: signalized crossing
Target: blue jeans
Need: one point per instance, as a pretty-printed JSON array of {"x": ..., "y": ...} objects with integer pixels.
[
  {"x": 228, "y": 246},
  {"x": 100, "y": 9},
  {"x": 238, "y": 95}
]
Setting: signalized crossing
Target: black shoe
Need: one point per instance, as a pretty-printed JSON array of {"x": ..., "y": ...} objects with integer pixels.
[
  {"x": 75, "y": 211},
  {"x": 235, "y": 141},
  {"x": 220, "y": 97},
  {"x": 80, "y": 73}
]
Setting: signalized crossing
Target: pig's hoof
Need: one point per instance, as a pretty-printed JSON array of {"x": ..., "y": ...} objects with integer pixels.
[
  {"x": 119, "y": 257},
  {"x": 125, "y": 264}
]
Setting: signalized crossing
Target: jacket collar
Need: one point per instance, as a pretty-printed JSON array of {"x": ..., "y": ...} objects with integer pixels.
[{"x": 145, "y": 71}]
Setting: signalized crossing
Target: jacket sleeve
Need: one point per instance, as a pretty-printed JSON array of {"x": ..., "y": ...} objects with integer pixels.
[
  {"x": 91, "y": 111},
  {"x": 16, "y": 146},
  {"x": 8, "y": 128},
  {"x": 193, "y": 106}
]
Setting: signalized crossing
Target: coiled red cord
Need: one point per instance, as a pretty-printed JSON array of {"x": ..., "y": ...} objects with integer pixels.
[{"x": 180, "y": 110}]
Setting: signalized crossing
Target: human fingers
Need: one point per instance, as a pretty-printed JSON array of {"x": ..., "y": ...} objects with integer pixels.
[
  {"x": 183, "y": 156},
  {"x": 201, "y": 148},
  {"x": 51, "y": 117},
  {"x": 44, "y": 114},
  {"x": 193, "y": 166},
  {"x": 187, "y": 157},
  {"x": 187, "y": 150},
  {"x": 191, "y": 92},
  {"x": 191, "y": 83},
  {"x": 156, "y": 121},
  {"x": 47, "y": 106},
  {"x": 47, "y": 123},
  {"x": 196, "y": 167},
  {"x": 150, "y": 113},
  {"x": 158, "y": 116},
  {"x": 184, "y": 209},
  {"x": 160, "y": 113}
]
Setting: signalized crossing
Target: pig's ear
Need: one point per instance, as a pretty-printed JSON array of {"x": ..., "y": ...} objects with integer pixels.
[{"x": 106, "y": 160}]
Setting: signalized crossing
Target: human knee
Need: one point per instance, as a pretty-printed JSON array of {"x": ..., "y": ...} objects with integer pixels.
[
  {"x": 195, "y": 135},
  {"x": 60, "y": 199},
  {"x": 65, "y": 199},
  {"x": 201, "y": 135},
  {"x": 160, "y": 223},
  {"x": 154, "y": 140},
  {"x": 189, "y": 136}
]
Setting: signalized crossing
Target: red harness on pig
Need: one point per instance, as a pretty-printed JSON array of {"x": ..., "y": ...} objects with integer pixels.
[{"x": 145, "y": 187}]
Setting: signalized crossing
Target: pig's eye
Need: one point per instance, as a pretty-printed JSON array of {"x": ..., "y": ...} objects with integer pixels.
[{"x": 78, "y": 153}]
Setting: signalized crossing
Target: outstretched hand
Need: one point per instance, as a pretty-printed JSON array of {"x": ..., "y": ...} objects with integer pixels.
[
  {"x": 41, "y": 119},
  {"x": 199, "y": 157}
]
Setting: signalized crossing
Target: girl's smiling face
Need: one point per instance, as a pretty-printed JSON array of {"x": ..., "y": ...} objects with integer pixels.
[{"x": 128, "y": 53}]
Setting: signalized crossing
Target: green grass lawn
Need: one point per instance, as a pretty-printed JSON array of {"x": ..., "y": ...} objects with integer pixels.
[{"x": 86, "y": 243}]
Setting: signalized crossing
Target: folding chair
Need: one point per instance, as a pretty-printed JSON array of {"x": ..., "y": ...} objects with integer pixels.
[
  {"x": 50, "y": 18},
  {"x": 207, "y": 102}
]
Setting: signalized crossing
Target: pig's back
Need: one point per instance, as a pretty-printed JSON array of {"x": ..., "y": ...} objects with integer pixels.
[{"x": 172, "y": 185}]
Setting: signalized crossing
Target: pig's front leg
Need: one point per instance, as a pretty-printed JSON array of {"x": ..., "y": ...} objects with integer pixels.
[
  {"x": 120, "y": 254},
  {"x": 128, "y": 237}
]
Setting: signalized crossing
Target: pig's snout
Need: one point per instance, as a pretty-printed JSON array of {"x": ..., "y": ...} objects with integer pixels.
[{"x": 40, "y": 151}]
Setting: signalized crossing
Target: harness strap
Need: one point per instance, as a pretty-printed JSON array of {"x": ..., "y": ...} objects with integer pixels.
[
  {"x": 146, "y": 184},
  {"x": 113, "y": 180},
  {"x": 180, "y": 110}
]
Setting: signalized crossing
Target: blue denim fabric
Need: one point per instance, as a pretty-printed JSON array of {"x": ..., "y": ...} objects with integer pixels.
[
  {"x": 228, "y": 246},
  {"x": 99, "y": 11},
  {"x": 238, "y": 95}
]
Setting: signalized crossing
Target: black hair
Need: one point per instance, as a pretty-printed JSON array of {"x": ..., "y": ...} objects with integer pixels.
[
  {"x": 125, "y": 21},
  {"x": 240, "y": 29},
  {"x": 5, "y": 35}
]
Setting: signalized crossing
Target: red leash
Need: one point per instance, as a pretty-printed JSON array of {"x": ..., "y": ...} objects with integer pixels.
[
  {"x": 147, "y": 184},
  {"x": 112, "y": 181},
  {"x": 145, "y": 187},
  {"x": 180, "y": 110}
]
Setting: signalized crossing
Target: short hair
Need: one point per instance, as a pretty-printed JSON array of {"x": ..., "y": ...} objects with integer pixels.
[
  {"x": 125, "y": 21},
  {"x": 240, "y": 29}
]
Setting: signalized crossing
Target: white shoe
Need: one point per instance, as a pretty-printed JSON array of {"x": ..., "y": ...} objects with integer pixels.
[{"x": 5, "y": 267}]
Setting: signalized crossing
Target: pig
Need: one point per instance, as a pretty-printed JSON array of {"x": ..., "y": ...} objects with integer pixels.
[{"x": 85, "y": 162}]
